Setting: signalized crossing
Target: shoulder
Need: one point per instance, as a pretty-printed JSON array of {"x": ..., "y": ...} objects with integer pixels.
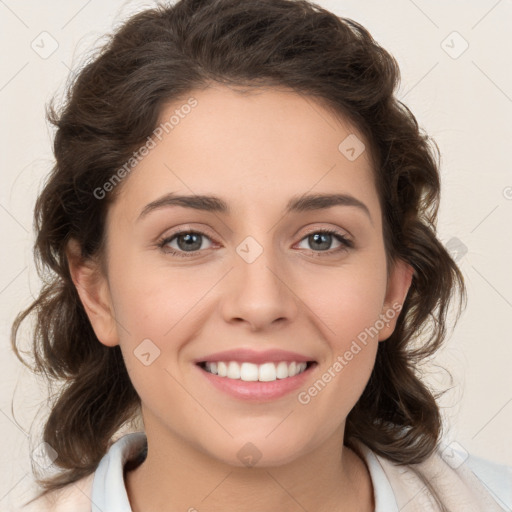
[
  {"x": 453, "y": 477},
  {"x": 497, "y": 478},
  {"x": 104, "y": 488},
  {"x": 75, "y": 497}
]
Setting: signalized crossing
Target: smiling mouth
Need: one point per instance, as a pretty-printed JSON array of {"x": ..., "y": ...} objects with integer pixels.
[{"x": 250, "y": 372}]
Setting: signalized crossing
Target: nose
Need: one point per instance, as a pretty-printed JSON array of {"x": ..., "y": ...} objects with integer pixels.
[{"x": 260, "y": 293}]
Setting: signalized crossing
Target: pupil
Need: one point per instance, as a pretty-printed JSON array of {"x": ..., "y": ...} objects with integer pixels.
[
  {"x": 190, "y": 239},
  {"x": 323, "y": 239}
]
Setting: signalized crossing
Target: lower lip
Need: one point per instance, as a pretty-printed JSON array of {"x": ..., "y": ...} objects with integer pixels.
[{"x": 256, "y": 390}]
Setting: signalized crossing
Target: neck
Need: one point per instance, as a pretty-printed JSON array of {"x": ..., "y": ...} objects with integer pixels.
[{"x": 177, "y": 477}]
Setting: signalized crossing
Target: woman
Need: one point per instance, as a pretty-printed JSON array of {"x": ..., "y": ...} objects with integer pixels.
[{"x": 241, "y": 229}]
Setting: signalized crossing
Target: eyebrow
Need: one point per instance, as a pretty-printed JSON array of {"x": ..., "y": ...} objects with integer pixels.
[{"x": 303, "y": 203}]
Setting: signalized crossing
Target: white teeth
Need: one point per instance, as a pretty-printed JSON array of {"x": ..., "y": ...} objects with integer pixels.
[
  {"x": 233, "y": 370},
  {"x": 282, "y": 370},
  {"x": 222, "y": 369},
  {"x": 250, "y": 372},
  {"x": 267, "y": 372}
]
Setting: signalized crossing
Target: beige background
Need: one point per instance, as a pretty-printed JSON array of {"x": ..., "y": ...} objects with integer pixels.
[{"x": 463, "y": 99}]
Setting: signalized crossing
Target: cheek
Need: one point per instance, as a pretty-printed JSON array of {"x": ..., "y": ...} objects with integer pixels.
[
  {"x": 348, "y": 300},
  {"x": 152, "y": 300},
  {"x": 349, "y": 306}
]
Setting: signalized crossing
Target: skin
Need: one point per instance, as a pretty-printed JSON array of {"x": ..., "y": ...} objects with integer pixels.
[{"x": 255, "y": 151}]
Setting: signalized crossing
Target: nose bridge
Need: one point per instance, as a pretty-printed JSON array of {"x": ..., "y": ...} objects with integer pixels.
[{"x": 259, "y": 294}]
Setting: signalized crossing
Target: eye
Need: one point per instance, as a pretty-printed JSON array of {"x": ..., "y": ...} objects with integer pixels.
[
  {"x": 321, "y": 241},
  {"x": 189, "y": 243},
  {"x": 184, "y": 242}
]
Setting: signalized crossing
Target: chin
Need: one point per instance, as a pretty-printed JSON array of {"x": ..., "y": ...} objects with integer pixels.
[{"x": 260, "y": 451}]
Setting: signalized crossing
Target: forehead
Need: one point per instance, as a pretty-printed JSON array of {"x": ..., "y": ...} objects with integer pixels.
[{"x": 257, "y": 148}]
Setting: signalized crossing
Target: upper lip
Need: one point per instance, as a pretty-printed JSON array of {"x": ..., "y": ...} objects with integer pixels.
[{"x": 253, "y": 356}]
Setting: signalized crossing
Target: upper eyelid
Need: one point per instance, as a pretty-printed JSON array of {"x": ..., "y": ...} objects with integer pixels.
[
  {"x": 205, "y": 231},
  {"x": 337, "y": 230}
]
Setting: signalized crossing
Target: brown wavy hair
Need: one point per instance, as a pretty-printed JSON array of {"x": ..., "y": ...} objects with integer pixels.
[{"x": 113, "y": 104}]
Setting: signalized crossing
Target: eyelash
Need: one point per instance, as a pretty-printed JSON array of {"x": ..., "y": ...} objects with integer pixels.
[{"x": 345, "y": 242}]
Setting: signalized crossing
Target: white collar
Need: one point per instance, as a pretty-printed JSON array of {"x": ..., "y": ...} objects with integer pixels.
[{"x": 109, "y": 491}]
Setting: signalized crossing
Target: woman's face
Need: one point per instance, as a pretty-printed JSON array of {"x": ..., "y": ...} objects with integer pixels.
[{"x": 255, "y": 275}]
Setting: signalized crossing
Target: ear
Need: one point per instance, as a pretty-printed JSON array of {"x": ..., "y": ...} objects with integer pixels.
[
  {"x": 399, "y": 283},
  {"x": 92, "y": 287}
]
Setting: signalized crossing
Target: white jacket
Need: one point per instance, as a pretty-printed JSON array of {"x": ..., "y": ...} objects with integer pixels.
[{"x": 462, "y": 483}]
